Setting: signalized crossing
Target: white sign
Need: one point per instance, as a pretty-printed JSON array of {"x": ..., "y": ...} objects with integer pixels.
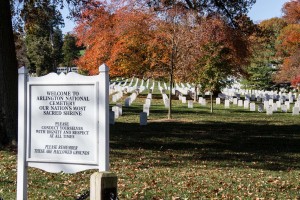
[
  {"x": 63, "y": 123},
  {"x": 62, "y": 116}
]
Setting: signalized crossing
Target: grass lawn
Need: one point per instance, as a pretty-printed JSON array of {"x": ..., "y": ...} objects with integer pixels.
[{"x": 229, "y": 154}]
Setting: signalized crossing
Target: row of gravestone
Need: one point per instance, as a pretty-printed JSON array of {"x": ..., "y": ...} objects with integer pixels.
[
  {"x": 116, "y": 111},
  {"x": 258, "y": 95},
  {"x": 227, "y": 93},
  {"x": 268, "y": 106}
]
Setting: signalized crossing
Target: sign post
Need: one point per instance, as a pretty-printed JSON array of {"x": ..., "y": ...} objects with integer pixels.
[{"x": 63, "y": 124}]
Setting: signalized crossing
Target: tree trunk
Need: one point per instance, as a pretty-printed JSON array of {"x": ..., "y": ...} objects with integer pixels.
[
  {"x": 170, "y": 96},
  {"x": 211, "y": 102},
  {"x": 8, "y": 77},
  {"x": 195, "y": 94}
]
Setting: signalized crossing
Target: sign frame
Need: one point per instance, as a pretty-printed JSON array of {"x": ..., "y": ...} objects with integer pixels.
[{"x": 101, "y": 94}]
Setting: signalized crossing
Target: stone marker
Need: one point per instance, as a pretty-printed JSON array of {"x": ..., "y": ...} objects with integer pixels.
[
  {"x": 166, "y": 102},
  {"x": 235, "y": 101},
  {"x": 278, "y": 104},
  {"x": 183, "y": 99},
  {"x": 269, "y": 110},
  {"x": 218, "y": 101},
  {"x": 116, "y": 111},
  {"x": 270, "y": 102},
  {"x": 127, "y": 102},
  {"x": 143, "y": 118},
  {"x": 246, "y": 104},
  {"x": 227, "y": 103},
  {"x": 288, "y": 105},
  {"x": 202, "y": 101},
  {"x": 260, "y": 107},
  {"x": 190, "y": 103},
  {"x": 120, "y": 109},
  {"x": 252, "y": 106},
  {"x": 295, "y": 110},
  {"x": 146, "y": 109},
  {"x": 283, "y": 108},
  {"x": 240, "y": 103},
  {"x": 148, "y": 102},
  {"x": 266, "y": 104},
  {"x": 275, "y": 108},
  {"x": 111, "y": 117}
]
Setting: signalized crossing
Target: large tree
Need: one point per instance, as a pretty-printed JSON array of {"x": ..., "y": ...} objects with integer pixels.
[
  {"x": 264, "y": 62},
  {"x": 223, "y": 54},
  {"x": 8, "y": 70},
  {"x": 230, "y": 10},
  {"x": 168, "y": 46},
  {"x": 8, "y": 77},
  {"x": 43, "y": 35},
  {"x": 70, "y": 50},
  {"x": 288, "y": 45}
]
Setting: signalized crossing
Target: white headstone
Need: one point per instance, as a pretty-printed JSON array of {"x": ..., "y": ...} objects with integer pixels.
[
  {"x": 297, "y": 104},
  {"x": 266, "y": 104},
  {"x": 148, "y": 102},
  {"x": 218, "y": 101},
  {"x": 283, "y": 108},
  {"x": 288, "y": 105},
  {"x": 270, "y": 101},
  {"x": 278, "y": 104},
  {"x": 269, "y": 110},
  {"x": 119, "y": 105},
  {"x": 116, "y": 111},
  {"x": 275, "y": 108},
  {"x": 200, "y": 100},
  {"x": 167, "y": 102},
  {"x": 146, "y": 109},
  {"x": 260, "y": 107},
  {"x": 246, "y": 104},
  {"x": 295, "y": 110},
  {"x": 252, "y": 106},
  {"x": 227, "y": 103},
  {"x": 235, "y": 101},
  {"x": 240, "y": 102},
  {"x": 190, "y": 103},
  {"x": 143, "y": 118},
  {"x": 183, "y": 99},
  {"x": 203, "y": 102}
]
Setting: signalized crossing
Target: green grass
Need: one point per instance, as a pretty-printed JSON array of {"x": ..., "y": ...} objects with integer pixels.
[{"x": 229, "y": 154}]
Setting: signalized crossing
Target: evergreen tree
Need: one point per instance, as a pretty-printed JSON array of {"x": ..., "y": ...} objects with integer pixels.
[
  {"x": 264, "y": 62},
  {"x": 43, "y": 36},
  {"x": 70, "y": 50}
]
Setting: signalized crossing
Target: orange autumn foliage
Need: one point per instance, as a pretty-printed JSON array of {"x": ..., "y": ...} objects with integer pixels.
[
  {"x": 95, "y": 32},
  {"x": 119, "y": 39},
  {"x": 289, "y": 43},
  {"x": 291, "y": 12}
]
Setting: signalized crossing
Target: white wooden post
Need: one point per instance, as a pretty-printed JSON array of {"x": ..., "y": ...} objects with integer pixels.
[
  {"x": 104, "y": 119},
  {"x": 103, "y": 184},
  {"x": 22, "y": 126}
]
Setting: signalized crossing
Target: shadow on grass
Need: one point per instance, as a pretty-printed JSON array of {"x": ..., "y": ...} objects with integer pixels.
[{"x": 230, "y": 144}]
